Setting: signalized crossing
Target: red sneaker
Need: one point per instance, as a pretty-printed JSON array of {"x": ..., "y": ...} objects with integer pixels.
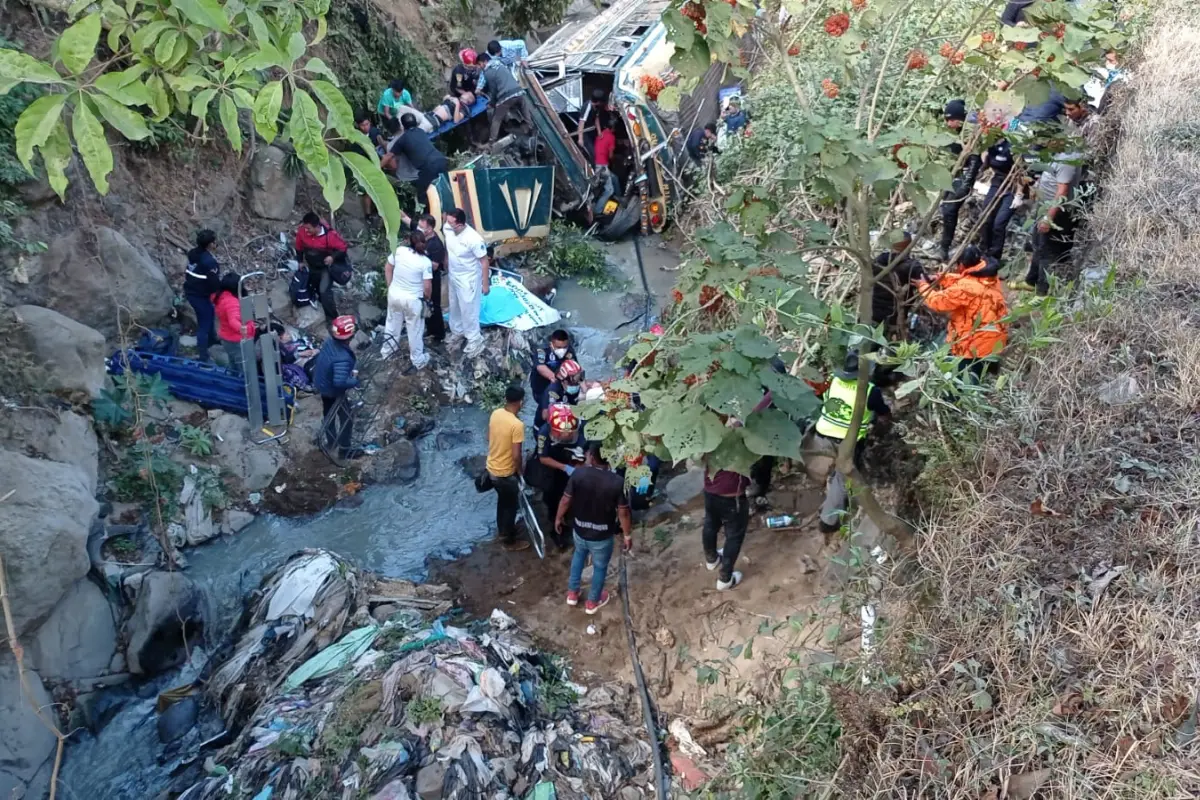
[
  {"x": 591, "y": 608},
  {"x": 572, "y": 598}
]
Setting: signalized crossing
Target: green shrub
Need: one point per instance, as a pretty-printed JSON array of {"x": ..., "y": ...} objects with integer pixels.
[{"x": 568, "y": 253}]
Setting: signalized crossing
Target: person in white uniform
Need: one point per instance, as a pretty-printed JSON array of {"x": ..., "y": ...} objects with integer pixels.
[
  {"x": 410, "y": 279},
  {"x": 467, "y": 260}
]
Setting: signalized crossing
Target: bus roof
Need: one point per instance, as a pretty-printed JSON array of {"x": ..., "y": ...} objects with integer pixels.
[{"x": 599, "y": 44}]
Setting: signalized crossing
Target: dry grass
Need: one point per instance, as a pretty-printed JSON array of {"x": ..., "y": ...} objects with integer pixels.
[{"x": 1057, "y": 654}]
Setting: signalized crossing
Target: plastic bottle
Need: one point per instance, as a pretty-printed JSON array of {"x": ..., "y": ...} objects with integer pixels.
[{"x": 781, "y": 521}]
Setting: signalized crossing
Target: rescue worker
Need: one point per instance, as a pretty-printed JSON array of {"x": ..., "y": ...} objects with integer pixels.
[
  {"x": 469, "y": 270},
  {"x": 974, "y": 302},
  {"x": 1001, "y": 191},
  {"x": 505, "y": 93},
  {"x": 560, "y": 448},
  {"x": 545, "y": 367},
  {"x": 335, "y": 372},
  {"x": 435, "y": 251},
  {"x": 566, "y": 386},
  {"x": 964, "y": 181},
  {"x": 201, "y": 281},
  {"x": 832, "y": 428},
  {"x": 594, "y": 504},
  {"x": 409, "y": 276},
  {"x": 464, "y": 77},
  {"x": 416, "y": 146}
]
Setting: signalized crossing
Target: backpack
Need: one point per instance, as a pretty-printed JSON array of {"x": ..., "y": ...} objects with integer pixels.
[{"x": 298, "y": 287}]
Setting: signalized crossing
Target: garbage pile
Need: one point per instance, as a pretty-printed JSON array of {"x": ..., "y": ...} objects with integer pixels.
[{"x": 339, "y": 687}]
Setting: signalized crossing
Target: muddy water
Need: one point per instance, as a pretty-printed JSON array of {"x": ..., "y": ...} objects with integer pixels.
[{"x": 392, "y": 530}]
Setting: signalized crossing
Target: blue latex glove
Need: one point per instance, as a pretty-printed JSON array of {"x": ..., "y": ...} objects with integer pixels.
[
  {"x": 567, "y": 468},
  {"x": 643, "y": 485}
]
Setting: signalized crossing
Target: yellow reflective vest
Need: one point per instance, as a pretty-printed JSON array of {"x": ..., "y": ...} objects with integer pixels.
[{"x": 839, "y": 407}]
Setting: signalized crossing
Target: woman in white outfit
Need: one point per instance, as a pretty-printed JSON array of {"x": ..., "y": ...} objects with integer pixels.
[
  {"x": 467, "y": 261},
  {"x": 410, "y": 278}
]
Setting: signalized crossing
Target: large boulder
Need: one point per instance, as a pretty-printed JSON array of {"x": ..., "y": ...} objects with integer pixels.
[
  {"x": 88, "y": 289},
  {"x": 78, "y": 639},
  {"x": 272, "y": 190},
  {"x": 254, "y": 464},
  {"x": 62, "y": 436},
  {"x": 399, "y": 462},
  {"x": 167, "y": 619},
  {"x": 26, "y": 744},
  {"x": 68, "y": 355},
  {"x": 44, "y": 528}
]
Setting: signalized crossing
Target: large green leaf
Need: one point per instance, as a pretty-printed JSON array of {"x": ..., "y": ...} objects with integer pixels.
[
  {"x": 93, "y": 148},
  {"x": 56, "y": 155},
  {"x": 319, "y": 67},
  {"x": 77, "y": 44},
  {"x": 790, "y": 394},
  {"x": 164, "y": 50},
  {"x": 692, "y": 62},
  {"x": 338, "y": 115},
  {"x": 732, "y": 454},
  {"x": 728, "y": 393},
  {"x": 693, "y": 433},
  {"x": 333, "y": 186},
  {"x": 35, "y": 124},
  {"x": 160, "y": 99},
  {"x": 680, "y": 30},
  {"x": 308, "y": 135},
  {"x": 295, "y": 47},
  {"x": 147, "y": 35},
  {"x": 600, "y": 428},
  {"x": 261, "y": 34},
  {"x": 379, "y": 189},
  {"x": 124, "y": 88},
  {"x": 207, "y": 13},
  {"x": 201, "y": 102},
  {"x": 752, "y": 344},
  {"x": 266, "y": 110},
  {"x": 772, "y": 433},
  {"x": 129, "y": 123},
  {"x": 16, "y": 67},
  {"x": 229, "y": 121}
]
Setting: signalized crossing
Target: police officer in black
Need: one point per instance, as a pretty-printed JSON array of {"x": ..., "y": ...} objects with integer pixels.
[
  {"x": 1001, "y": 191},
  {"x": 200, "y": 283},
  {"x": 545, "y": 367},
  {"x": 964, "y": 181}
]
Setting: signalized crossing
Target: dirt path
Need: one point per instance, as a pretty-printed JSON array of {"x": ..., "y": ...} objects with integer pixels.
[{"x": 687, "y": 632}]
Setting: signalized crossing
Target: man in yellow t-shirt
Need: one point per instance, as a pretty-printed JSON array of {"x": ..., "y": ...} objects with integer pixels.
[{"x": 506, "y": 434}]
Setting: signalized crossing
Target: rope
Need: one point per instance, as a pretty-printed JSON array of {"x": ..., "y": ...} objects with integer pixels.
[{"x": 661, "y": 780}]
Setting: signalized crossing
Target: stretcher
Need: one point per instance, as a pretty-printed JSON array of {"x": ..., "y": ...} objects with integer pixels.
[{"x": 478, "y": 107}]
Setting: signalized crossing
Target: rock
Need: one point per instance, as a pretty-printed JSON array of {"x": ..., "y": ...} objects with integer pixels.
[
  {"x": 1120, "y": 391},
  {"x": 278, "y": 296},
  {"x": 399, "y": 462},
  {"x": 177, "y": 719},
  {"x": 25, "y": 742},
  {"x": 541, "y": 285},
  {"x": 69, "y": 356},
  {"x": 307, "y": 488},
  {"x": 684, "y": 488},
  {"x": 69, "y": 280},
  {"x": 43, "y": 530},
  {"x": 449, "y": 440},
  {"x": 807, "y": 564},
  {"x": 79, "y": 637},
  {"x": 371, "y": 314},
  {"x": 818, "y": 458},
  {"x": 665, "y": 638},
  {"x": 197, "y": 519},
  {"x": 254, "y": 464},
  {"x": 309, "y": 317},
  {"x": 167, "y": 619},
  {"x": 236, "y": 521},
  {"x": 417, "y": 425},
  {"x": 430, "y": 780},
  {"x": 473, "y": 465},
  {"x": 272, "y": 190},
  {"x": 384, "y": 612},
  {"x": 94, "y": 710},
  {"x": 117, "y": 664},
  {"x": 61, "y": 436}
]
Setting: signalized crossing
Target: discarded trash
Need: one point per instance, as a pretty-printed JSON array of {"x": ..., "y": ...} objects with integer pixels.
[
  {"x": 592, "y": 630},
  {"x": 411, "y": 707}
]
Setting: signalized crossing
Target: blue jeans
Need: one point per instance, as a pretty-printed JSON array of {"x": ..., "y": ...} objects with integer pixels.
[
  {"x": 206, "y": 324},
  {"x": 601, "y": 554}
]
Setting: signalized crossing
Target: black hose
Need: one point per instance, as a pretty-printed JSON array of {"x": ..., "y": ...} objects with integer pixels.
[
  {"x": 661, "y": 780},
  {"x": 637, "y": 247}
]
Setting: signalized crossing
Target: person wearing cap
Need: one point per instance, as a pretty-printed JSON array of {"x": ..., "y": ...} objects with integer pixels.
[
  {"x": 201, "y": 280},
  {"x": 335, "y": 372},
  {"x": 409, "y": 276},
  {"x": 973, "y": 301},
  {"x": 833, "y": 426},
  {"x": 506, "y": 434},
  {"x": 560, "y": 449},
  {"x": 594, "y": 507},
  {"x": 545, "y": 367},
  {"x": 566, "y": 386},
  {"x": 964, "y": 179},
  {"x": 469, "y": 272}
]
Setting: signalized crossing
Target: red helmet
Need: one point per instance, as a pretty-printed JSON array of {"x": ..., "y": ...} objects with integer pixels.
[
  {"x": 344, "y": 327},
  {"x": 569, "y": 369},
  {"x": 467, "y": 56},
  {"x": 562, "y": 419},
  {"x": 657, "y": 329}
]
